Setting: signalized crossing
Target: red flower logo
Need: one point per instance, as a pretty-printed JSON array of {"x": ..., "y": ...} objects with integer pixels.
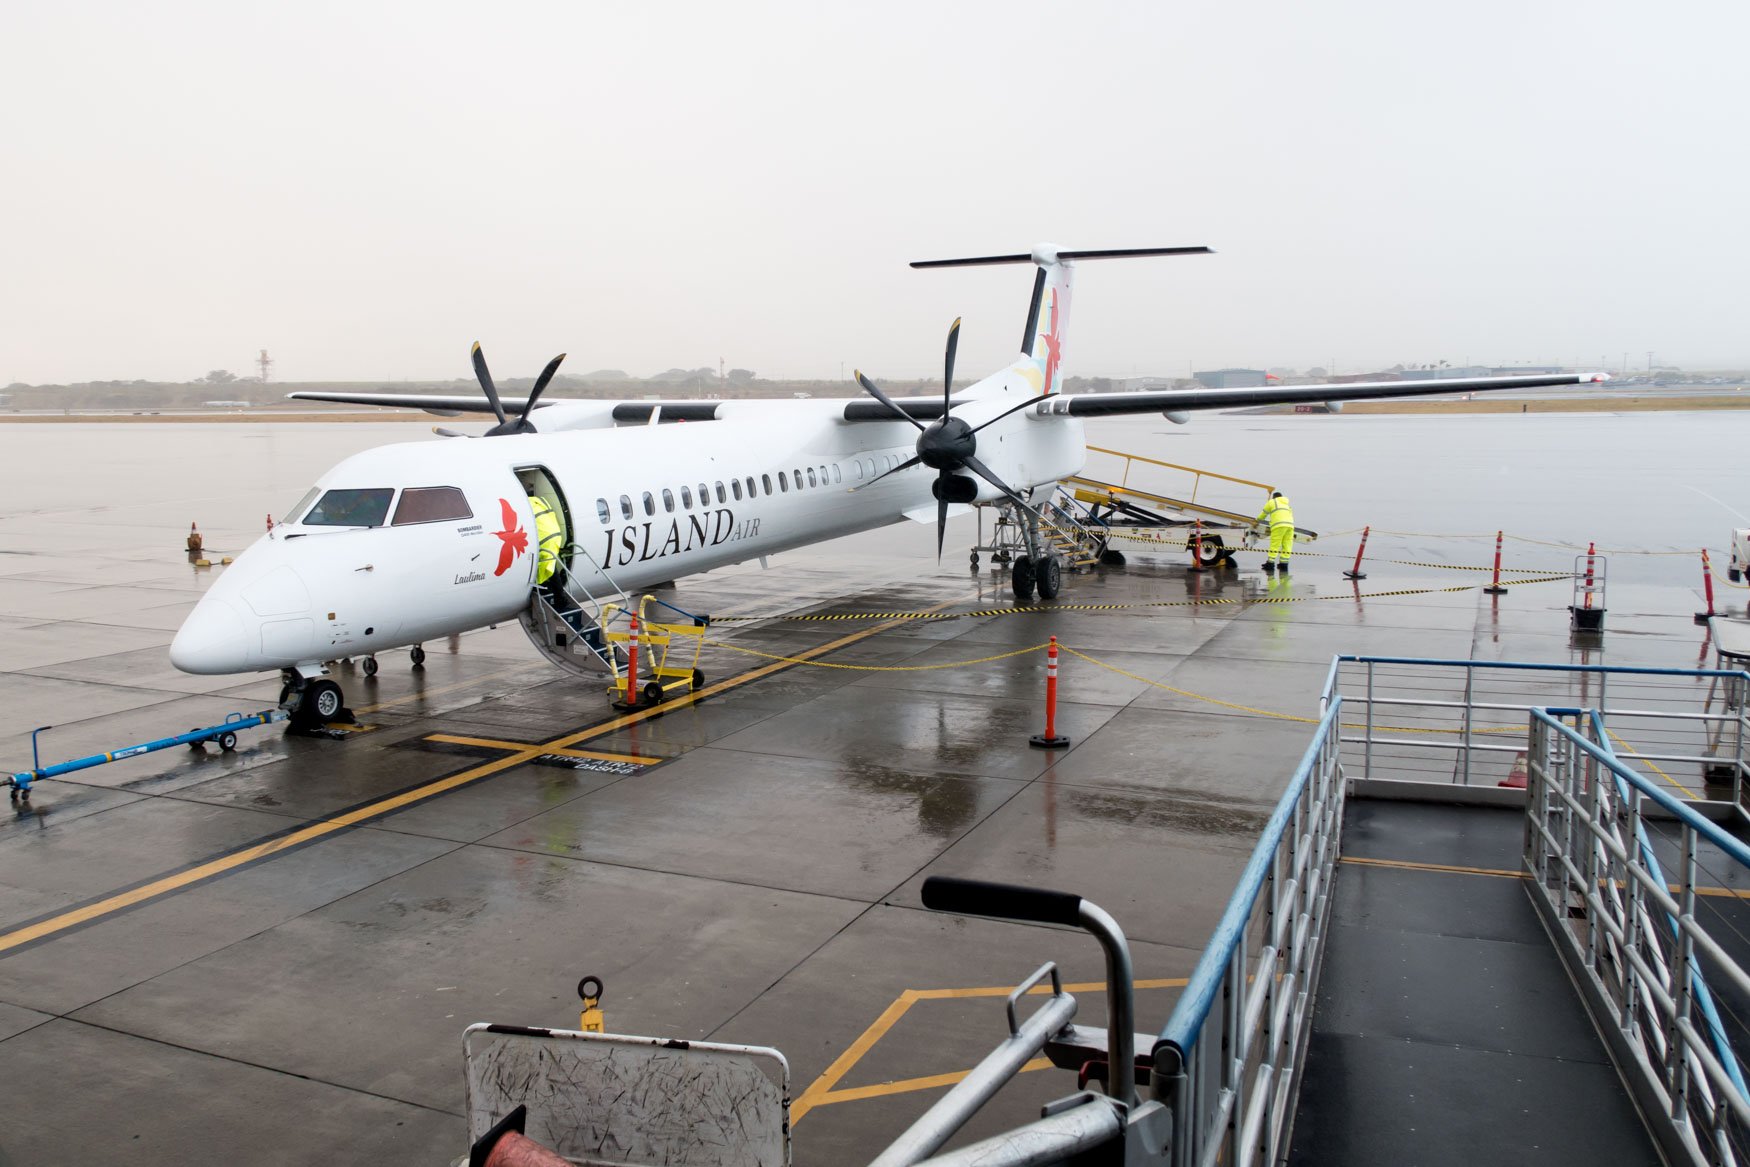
[{"x": 516, "y": 540}]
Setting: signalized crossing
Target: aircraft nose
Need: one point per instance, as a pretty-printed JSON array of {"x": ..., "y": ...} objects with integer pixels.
[{"x": 211, "y": 640}]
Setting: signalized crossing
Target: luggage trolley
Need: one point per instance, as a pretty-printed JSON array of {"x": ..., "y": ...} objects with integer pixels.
[{"x": 660, "y": 670}]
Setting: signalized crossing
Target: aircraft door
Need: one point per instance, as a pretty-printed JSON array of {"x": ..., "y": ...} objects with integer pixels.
[{"x": 537, "y": 482}]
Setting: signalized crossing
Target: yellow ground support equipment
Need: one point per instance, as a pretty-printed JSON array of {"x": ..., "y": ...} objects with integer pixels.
[
  {"x": 668, "y": 653},
  {"x": 1151, "y": 495}
]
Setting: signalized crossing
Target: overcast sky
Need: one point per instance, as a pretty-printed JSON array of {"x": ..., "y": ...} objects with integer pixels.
[{"x": 365, "y": 189}]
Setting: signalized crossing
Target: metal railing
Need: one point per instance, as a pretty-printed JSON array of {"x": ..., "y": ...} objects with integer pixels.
[
  {"x": 1645, "y": 951},
  {"x": 1462, "y": 722},
  {"x": 1228, "y": 1060}
]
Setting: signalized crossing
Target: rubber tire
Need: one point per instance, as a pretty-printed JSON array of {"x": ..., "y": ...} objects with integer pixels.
[
  {"x": 417, "y": 656},
  {"x": 975, "y": 561},
  {"x": 370, "y": 666},
  {"x": 1021, "y": 578},
  {"x": 1209, "y": 551},
  {"x": 1048, "y": 575},
  {"x": 698, "y": 679},
  {"x": 227, "y": 742},
  {"x": 1112, "y": 558},
  {"x": 652, "y": 693},
  {"x": 321, "y": 703}
]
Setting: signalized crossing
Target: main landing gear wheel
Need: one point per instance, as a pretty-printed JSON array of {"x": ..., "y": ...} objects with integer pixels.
[
  {"x": 417, "y": 656},
  {"x": 1021, "y": 578},
  {"x": 1048, "y": 573},
  {"x": 370, "y": 666}
]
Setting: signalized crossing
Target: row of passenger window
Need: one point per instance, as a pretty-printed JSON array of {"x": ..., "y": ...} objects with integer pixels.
[{"x": 740, "y": 488}]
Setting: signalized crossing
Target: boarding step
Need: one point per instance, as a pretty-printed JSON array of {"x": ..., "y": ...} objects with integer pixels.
[{"x": 566, "y": 634}]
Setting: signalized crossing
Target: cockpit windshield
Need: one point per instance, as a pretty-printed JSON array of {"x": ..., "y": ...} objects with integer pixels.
[{"x": 366, "y": 507}]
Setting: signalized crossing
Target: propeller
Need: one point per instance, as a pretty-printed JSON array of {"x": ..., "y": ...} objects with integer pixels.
[
  {"x": 947, "y": 445},
  {"x": 506, "y": 424}
]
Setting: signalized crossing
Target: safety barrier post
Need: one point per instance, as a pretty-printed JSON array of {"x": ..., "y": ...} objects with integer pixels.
[
  {"x": 194, "y": 539},
  {"x": 1049, "y": 739},
  {"x": 632, "y": 667},
  {"x": 1356, "y": 572},
  {"x": 1707, "y": 580},
  {"x": 270, "y": 522},
  {"x": 1195, "y": 546},
  {"x": 1495, "y": 588},
  {"x": 1591, "y": 557}
]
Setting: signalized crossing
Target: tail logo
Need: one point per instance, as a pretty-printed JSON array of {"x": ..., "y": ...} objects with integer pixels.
[
  {"x": 516, "y": 540},
  {"x": 1053, "y": 342}
]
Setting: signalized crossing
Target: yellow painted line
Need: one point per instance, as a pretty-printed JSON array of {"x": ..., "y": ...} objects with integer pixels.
[
  {"x": 522, "y": 753},
  {"x": 219, "y": 866},
  {"x": 499, "y": 744},
  {"x": 907, "y": 1085},
  {"x": 1409, "y": 866},
  {"x": 1675, "y": 889},
  {"x": 822, "y": 1091}
]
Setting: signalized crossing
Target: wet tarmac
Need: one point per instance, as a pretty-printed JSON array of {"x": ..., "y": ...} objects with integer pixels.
[{"x": 275, "y": 951}]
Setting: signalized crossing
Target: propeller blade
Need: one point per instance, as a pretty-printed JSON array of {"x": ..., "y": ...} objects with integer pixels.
[
  {"x": 905, "y": 465},
  {"x": 485, "y": 380},
  {"x": 984, "y": 472},
  {"x": 875, "y": 392},
  {"x": 941, "y": 522},
  {"x": 540, "y": 384},
  {"x": 948, "y": 366},
  {"x": 1013, "y": 409}
]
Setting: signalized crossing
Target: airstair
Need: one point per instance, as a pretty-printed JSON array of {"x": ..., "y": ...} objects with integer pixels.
[{"x": 566, "y": 623}]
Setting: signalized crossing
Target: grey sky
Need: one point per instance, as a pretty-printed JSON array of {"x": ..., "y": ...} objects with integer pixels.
[{"x": 365, "y": 189}]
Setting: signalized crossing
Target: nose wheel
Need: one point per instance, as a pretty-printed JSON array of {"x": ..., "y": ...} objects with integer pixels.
[{"x": 313, "y": 704}]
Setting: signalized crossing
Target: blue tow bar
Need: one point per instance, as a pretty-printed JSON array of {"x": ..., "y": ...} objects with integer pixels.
[{"x": 225, "y": 735}]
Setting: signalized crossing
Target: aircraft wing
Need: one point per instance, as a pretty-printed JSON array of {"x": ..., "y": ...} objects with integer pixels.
[
  {"x": 1177, "y": 400},
  {"x": 440, "y": 404}
]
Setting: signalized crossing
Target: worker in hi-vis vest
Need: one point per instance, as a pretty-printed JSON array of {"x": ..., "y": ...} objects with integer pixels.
[
  {"x": 1279, "y": 517},
  {"x": 549, "y": 536}
]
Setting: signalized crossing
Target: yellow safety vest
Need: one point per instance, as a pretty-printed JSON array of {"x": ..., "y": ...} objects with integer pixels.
[
  {"x": 1277, "y": 513},
  {"x": 549, "y": 537}
]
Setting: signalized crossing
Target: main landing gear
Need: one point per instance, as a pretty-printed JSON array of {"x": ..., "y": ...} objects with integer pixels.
[
  {"x": 1044, "y": 573},
  {"x": 1039, "y": 568}
]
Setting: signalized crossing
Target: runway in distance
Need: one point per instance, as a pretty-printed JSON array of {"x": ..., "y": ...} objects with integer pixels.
[{"x": 416, "y": 541}]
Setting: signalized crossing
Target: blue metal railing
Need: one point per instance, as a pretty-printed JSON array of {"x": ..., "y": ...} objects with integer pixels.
[
  {"x": 1601, "y": 888},
  {"x": 1232, "y": 1092}
]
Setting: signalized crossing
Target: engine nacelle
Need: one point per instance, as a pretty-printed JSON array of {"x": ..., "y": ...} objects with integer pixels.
[{"x": 955, "y": 488}]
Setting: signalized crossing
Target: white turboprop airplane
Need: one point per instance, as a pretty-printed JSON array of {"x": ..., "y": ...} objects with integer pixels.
[{"x": 417, "y": 541}]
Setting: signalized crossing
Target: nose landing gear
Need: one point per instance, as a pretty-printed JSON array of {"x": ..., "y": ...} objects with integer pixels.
[{"x": 313, "y": 703}]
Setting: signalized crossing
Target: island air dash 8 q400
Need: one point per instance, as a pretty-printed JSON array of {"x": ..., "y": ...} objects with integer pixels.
[{"x": 416, "y": 541}]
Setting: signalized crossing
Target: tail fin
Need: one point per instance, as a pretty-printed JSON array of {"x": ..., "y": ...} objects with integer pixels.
[{"x": 1048, "y": 312}]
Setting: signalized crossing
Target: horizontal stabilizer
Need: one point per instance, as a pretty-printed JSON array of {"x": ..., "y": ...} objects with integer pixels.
[{"x": 1050, "y": 257}]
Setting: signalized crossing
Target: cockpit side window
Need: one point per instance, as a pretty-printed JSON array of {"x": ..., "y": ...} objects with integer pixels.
[
  {"x": 297, "y": 512},
  {"x": 431, "y": 504},
  {"x": 366, "y": 507}
]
